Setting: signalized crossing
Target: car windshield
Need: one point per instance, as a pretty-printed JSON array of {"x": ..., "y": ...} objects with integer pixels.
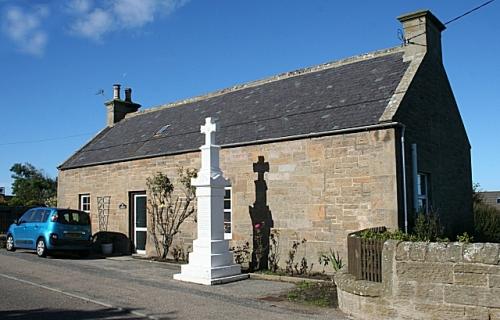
[{"x": 73, "y": 217}]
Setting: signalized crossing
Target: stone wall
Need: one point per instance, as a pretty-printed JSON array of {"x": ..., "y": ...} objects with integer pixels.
[
  {"x": 428, "y": 281},
  {"x": 319, "y": 189}
]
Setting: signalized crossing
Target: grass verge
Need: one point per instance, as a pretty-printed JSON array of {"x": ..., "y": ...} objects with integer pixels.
[{"x": 322, "y": 294}]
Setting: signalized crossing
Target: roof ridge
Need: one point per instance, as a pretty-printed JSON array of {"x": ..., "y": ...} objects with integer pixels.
[{"x": 281, "y": 76}]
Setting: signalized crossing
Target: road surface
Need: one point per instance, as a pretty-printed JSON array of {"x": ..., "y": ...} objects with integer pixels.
[{"x": 66, "y": 287}]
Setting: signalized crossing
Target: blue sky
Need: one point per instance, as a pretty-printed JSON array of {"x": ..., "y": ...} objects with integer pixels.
[{"x": 55, "y": 56}]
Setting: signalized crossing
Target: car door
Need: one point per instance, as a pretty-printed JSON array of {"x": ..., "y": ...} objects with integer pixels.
[
  {"x": 21, "y": 230},
  {"x": 33, "y": 227}
]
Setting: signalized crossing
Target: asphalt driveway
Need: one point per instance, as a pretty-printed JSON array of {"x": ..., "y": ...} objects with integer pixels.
[{"x": 65, "y": 287}]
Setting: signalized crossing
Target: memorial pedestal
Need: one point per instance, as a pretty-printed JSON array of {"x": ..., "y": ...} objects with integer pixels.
[{"x": 211, "y": 261}]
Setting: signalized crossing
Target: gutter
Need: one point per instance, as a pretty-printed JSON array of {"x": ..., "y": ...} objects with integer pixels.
[
  {"x": 403, "y": 164},
  {"x": 240, "y": 144}
]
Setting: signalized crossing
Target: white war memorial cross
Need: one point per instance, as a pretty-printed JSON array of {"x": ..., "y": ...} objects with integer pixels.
[{"x": 211, "y": 262}]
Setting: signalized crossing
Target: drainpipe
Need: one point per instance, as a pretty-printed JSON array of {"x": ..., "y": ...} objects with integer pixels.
[
  {"x": 403, "y": 162},
  {"x": 414, "y": 175}
]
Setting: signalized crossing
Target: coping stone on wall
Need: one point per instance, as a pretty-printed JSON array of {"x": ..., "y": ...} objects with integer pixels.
[
  {"x": 348, "y": 283},
  {"x": 487, "y": 253},
  {"x": 444, "y": 252}
]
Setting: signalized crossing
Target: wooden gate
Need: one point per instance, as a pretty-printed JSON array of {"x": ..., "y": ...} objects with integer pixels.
[{"x": 364, "y": 256}]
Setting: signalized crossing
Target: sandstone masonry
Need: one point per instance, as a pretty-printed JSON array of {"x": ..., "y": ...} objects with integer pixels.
[
  {"x": 319, "y": 189},
  {"x": 428, "y": 281}
]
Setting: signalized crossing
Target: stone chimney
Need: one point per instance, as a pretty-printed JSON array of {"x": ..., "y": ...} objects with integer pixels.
[
  {"x": 117, "y": 108},
  {"x": 116, "y": 92},
  {"x": 422, "y": 34},
  {"x": 128, "y": 94}
]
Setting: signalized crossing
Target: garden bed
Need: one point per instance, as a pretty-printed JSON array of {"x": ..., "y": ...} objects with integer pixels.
[
  {"x": 281, "y": 276},
  {"x": 320, "y": 294}
]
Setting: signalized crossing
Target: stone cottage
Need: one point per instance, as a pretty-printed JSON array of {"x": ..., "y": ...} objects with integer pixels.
[
  {"x": 315, "y": 153},
  {"x": 491, "y": 197}
]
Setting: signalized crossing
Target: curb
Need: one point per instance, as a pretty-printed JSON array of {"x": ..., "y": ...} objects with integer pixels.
[
  {"x": 260, "y": 276},
  {"x": 165, "y": 263}
]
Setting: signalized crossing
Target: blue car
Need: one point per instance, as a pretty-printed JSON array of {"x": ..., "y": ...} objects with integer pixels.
[{"x": 50, "y": 229}]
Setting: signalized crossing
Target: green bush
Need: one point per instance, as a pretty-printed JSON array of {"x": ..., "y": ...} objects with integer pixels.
[
  {"x": 465, "y": 238},
  {"x": 428, "y": 227},
  {"x": 486, "y": 223},
  {"x": 387, "y": 235},
  {"x": 333, "y": 259}
]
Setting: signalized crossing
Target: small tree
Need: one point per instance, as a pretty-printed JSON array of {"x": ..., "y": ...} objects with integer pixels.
[
  {"x": 476, "y": 193},
  {"x": 32, "y": 187},
  {"x": 169, "y": 208}
]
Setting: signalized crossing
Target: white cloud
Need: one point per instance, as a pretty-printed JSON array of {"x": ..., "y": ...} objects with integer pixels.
[
  {"x": 132, "y": 13},
  {"x": 94, "y": 22},
  {"x": 80, "y": 6},
  {"x": 94, "y": 25},
  {"x": 170, "y": 6},
  {"x": 25, "y": 30}
]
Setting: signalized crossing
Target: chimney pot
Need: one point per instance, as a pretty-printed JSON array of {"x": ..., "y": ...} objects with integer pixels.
[
  {"x": 128, "y": 94},
  {"x": 116, "y": 92}
]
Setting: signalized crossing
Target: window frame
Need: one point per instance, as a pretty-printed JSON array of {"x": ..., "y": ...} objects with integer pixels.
[
  {"x": 228, "y": 235},
  {"x": 81, "y": 202}
]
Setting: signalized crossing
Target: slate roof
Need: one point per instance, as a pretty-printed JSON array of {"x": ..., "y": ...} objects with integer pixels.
[{"x": 345, "y": 95}]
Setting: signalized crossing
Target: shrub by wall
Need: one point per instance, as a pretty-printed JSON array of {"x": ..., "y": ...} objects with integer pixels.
[{"x": 486, "y": 222}]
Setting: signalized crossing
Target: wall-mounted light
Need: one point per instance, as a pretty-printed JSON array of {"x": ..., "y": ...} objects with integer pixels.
[{"x": 122, "y": 206}]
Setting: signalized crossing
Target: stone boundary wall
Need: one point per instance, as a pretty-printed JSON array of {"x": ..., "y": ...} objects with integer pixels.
[{"x": 427, "y": 281}]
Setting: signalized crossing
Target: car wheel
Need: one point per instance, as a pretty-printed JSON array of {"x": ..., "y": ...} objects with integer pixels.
[
  {"x": 41, "y": 248},
  {"x": 10, "y": 243}
]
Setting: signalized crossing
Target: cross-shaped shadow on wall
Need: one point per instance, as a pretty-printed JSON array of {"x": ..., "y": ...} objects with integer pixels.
[{"x": 262, "y": 220}]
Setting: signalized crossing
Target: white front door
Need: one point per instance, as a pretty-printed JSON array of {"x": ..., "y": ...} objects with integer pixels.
[{"x": 140, "y": 223}]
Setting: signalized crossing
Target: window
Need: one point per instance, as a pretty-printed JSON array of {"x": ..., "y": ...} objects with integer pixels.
[
  {"x": 227, "y": 213},
  {"x": 37, "y": 216},
  {"x": 423, "y": 192},
  {"x": 84, "y": 203},
  {"x": 498, "y": 200},
  {"x": 45, "y": 215},
  {"x": 73, "y": 217},
  {"x": 27, "y": 216}
]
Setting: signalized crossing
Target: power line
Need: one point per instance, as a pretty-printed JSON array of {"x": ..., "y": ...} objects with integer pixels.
[
  {"x": 45, "y": 140},
  {"x": 407, "y": 40},
  {"x": 468, "y": 12}
]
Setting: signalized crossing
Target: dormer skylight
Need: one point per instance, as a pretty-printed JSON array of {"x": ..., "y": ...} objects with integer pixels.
[{"x": 163, "y": 130}]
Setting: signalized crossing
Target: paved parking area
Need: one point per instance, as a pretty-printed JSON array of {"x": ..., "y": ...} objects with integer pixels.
[{"x": 65, "y": 287}]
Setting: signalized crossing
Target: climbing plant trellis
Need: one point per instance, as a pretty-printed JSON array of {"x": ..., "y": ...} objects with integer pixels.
[{"x": 103, "y": 212}]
